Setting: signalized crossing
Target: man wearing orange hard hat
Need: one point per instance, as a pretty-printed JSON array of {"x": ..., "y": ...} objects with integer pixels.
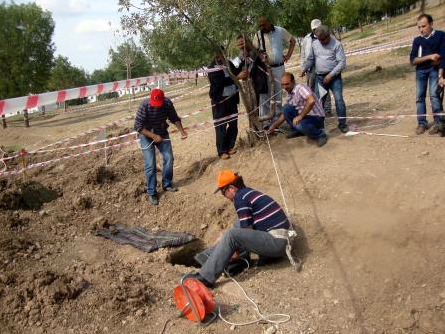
[
  {"x": 151, "y": 123},
  {"x": 262, "y": 228}
]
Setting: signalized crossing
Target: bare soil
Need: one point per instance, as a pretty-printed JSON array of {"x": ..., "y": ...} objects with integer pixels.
[{"x": 370, "y": 210}]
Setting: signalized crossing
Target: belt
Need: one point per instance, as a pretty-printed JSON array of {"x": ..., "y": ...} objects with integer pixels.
[
  {"x": 289, "y": 236},
  {"x": 277, "y": 65},
  {"x": 282, "y": 233}
]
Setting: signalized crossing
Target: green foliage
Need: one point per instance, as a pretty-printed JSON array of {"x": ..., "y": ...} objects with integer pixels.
[
  {"x": 26, "y": 49},
  {"x": 183, "y": 34},
  {"x": 102, "y": 76},
  {"x": 355, "y": 13},
  {"x": 64, "y": 75},
  {"x": 296, "y": 16},
  {"x": 128, "y": 56}
]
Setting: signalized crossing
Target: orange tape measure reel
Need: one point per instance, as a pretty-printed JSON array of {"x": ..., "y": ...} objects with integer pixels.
[{"x": 195, "y": 301}]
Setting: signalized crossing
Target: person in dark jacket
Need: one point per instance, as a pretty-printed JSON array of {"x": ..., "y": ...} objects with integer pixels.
[
  {"x": 225, "y": 99},
  {"x": 151, "y": 123},
  {"x": 252, "y": 65},
  {"x": 428, "y": 55}
]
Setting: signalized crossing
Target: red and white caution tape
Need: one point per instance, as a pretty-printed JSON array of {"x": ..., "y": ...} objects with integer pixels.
[
  {"x": 107, "y": 105},
  {"x": 71, "y": 156},
  {"x": 36, "y": 100},
  {"x": 91, "y": 131}
]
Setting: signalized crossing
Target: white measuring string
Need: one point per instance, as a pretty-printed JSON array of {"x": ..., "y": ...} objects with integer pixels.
[
  {"x": 262, "y": 317},
  {"x": 276, "y": 173},
  {"x": 2, "y": 154}
]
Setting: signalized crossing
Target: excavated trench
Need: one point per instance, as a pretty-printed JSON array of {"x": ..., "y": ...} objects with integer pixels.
[{"x": 26, "y": 195}]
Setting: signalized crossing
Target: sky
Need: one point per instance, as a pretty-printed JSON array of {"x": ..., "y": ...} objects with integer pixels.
[{"x": 84, "y": 29}]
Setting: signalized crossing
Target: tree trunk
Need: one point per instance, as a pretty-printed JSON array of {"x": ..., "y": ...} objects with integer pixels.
[
  {"x": 26, "y": 118},
  {"x": 250, "y": 104},
  {"x": 4, "y": 122},
  {"x": 248, "y": 97},
  {"x": 422, "y": 6}
]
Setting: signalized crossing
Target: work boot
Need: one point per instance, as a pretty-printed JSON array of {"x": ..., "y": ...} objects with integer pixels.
[
  {"x": 420, "y": 130},
  {"x": 321, "y": 141},
  {"x": 170, "y": 188},
  {"x": 224, "y": 156},
  {"x": 343, "y": 128},
  {"x": 198, "y": 277},
  {"x": 153, "y": 199},
  {"x": 434, "y": 130}
]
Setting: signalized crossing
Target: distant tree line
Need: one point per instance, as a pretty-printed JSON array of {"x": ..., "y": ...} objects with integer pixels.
[
  {"x": 28, "y": 64},
  {"x": 174, "y": 35}
]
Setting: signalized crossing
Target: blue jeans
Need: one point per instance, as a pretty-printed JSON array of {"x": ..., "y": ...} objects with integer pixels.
[
  {"x": 336, "y": 86},
  {"x": 310, "y": 126},
  {"x": 422, "y": 79},
  {"x": 149, "y": 155},
  {"x": 240, "y": 239}
]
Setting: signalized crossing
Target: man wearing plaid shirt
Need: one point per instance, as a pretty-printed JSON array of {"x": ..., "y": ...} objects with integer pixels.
[{"x": 303, "y": 112}]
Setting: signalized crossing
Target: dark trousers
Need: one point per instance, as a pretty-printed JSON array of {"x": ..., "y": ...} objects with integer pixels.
[{"x": 226, "y": 130}]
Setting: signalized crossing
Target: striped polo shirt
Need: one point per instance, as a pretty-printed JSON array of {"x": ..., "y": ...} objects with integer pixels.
[
  {"x": 298, "y": 98},
  {"x": 155, "y": 120},
  {"x": 259, "y": 211}
]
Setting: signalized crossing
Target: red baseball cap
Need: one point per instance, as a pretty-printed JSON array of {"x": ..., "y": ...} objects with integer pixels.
[{"x": 156, "y": 97}]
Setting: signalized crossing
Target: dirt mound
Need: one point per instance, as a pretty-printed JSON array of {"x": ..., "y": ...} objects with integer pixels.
[
  {"x": 101, "y": 175},
  {"x": 131, "y": 294},
  {"x": 28, "y": 300},
  {"x": 12, "y": 246},
  {"x": 13, "y": 220},
  {"x": 28, "y": 195}
]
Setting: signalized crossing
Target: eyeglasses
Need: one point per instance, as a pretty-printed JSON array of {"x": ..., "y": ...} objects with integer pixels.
[{"x": 223, "y": 190}]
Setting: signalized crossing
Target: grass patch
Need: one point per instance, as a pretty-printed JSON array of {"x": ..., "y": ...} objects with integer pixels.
[
  {"x": 360, "y": 35},
  {"x": 12, "y": 148},
  {"x": 401, "y": 52},
  {"x": 373, "y": 77}
]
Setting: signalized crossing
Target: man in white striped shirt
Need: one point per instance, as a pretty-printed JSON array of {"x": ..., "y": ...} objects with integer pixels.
[
  {"x": 303, "y": 112},
  {"x": 260, "y": 218}
]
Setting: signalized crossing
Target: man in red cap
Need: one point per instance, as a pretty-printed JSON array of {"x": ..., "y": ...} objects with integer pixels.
[
  {"x": 262, "y": 228},
  {"x": 151, "y": 123}
]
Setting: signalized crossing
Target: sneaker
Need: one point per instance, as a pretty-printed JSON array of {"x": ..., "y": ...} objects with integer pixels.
[
  {"x": 434, "y": 130},
  {"x": 224, "y": 156},
  {"x": 170, "y": 188},
  {"x": 343, "y": 128},
  {"x": 153, "y": 199},
  {"x": 232, "y": 151},
  {"x": 294, "y": 134},
  {"x": 420, "y": 129},
  {"x": 322, "y": 141},
  {"x": 198, "y": 277}
]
